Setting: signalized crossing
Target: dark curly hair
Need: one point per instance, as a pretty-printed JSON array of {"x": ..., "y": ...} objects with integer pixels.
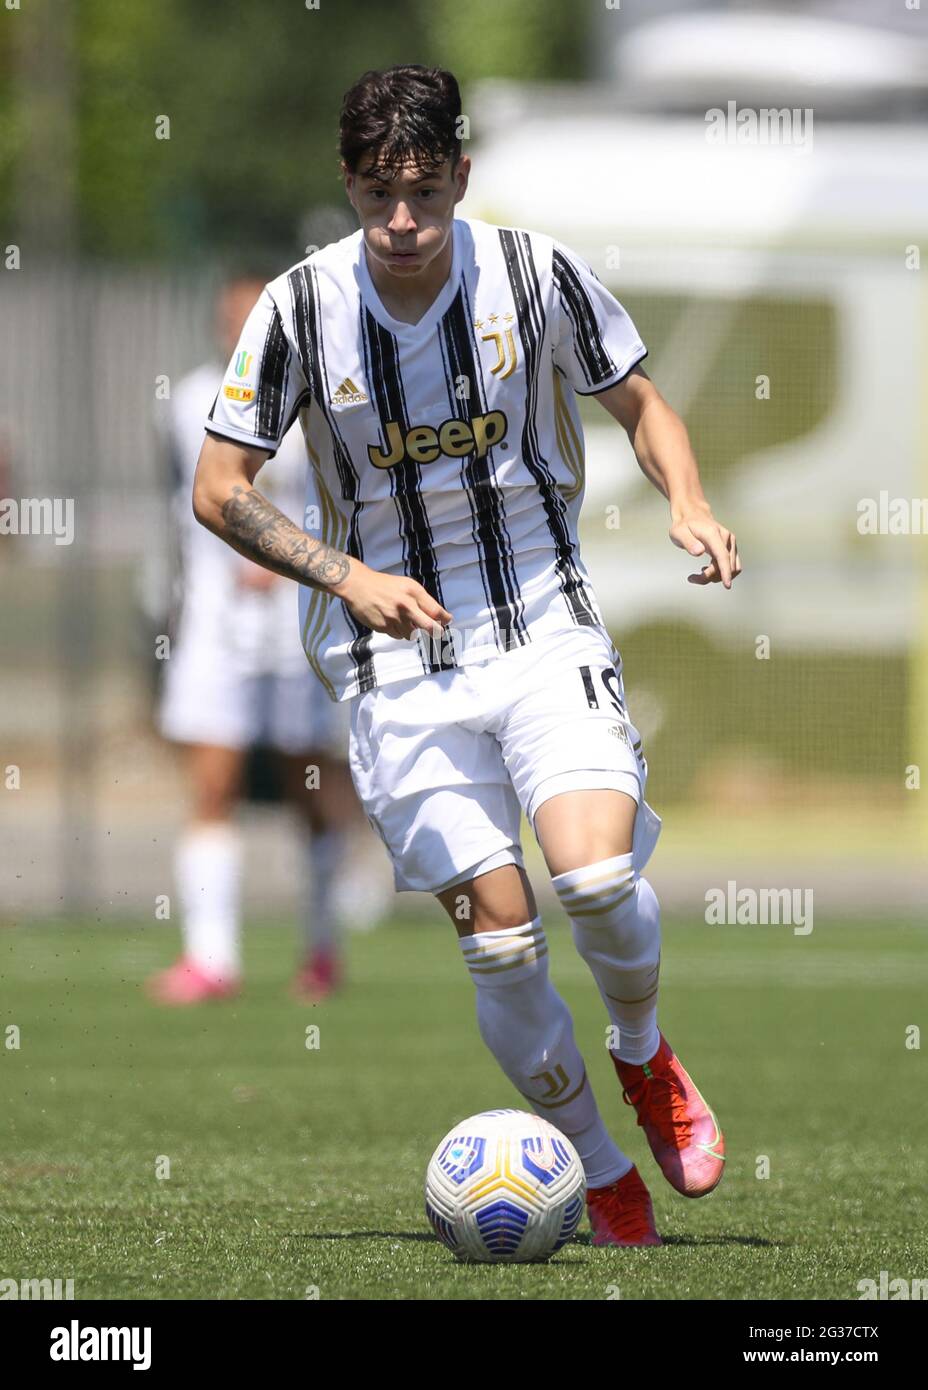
[{"x": 405, "y": 115}]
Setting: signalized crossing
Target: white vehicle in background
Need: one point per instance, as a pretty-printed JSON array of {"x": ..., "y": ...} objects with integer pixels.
[{"x": 723, "y": 222}]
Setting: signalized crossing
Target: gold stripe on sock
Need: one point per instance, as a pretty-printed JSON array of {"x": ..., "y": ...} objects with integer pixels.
[
  {"x": 604, "y": 906},
  {"x": 643, "y": 1000},
  {"x": 524, "y": 957},
  {"x": 570, "y": 890},
  {"x": 514, "y": 943}
]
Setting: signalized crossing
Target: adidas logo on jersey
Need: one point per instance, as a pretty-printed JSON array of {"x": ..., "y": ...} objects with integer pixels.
[
  {"x": 348, "y": 394},
  {"x": 620, "y": 733}
]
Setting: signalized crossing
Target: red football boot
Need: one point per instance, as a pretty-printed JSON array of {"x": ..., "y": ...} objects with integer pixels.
[
  {"x": 683, "y": 1132},
  {"x": 319, "y": 976},
  {"x": 185, "y": 982},
  {"x": 621, "y": 1214}
]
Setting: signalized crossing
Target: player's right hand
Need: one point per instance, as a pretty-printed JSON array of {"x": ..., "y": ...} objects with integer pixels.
[{"x": 390, "y": 603}]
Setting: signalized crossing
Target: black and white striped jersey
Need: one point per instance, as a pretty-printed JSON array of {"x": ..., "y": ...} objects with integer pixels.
[{"x": 450, "y": 450}]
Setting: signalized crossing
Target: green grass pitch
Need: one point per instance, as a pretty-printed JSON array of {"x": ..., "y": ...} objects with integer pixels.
[{"x": 296, "y": 1169}]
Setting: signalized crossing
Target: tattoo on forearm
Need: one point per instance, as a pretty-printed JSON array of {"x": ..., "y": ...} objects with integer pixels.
[{"x": 258, "y": 529}]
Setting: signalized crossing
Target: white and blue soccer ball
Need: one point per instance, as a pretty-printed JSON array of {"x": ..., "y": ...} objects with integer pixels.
[{"x": 504, "y": 1186}]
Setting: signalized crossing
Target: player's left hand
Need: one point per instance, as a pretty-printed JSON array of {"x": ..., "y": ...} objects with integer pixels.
[{"x": 699, "y": 533}]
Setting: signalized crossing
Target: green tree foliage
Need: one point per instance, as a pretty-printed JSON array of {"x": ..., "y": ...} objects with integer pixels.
[{"x": 252, "y": 92}]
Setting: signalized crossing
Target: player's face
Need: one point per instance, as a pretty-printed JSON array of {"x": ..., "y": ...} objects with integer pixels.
[{"x": 407, "y": 219}]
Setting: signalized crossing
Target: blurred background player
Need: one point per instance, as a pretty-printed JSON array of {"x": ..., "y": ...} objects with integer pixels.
[{"x": 232, "y": 686}]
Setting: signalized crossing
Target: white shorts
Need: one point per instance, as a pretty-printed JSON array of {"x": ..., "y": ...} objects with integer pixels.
[
  {"x": 445, "y": 764},
  {"x": 205, "y": 700}
]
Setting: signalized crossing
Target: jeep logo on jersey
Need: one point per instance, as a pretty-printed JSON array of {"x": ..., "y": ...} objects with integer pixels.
[{"x": 455, "y": 439}]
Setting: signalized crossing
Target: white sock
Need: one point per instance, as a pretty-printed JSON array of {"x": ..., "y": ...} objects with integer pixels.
[
  {"x": 528, "y": 1028},
  {"x": 208, "y": 869},
  {"x": 617, "y": 930},
  {"x": 322, "y": 855}
]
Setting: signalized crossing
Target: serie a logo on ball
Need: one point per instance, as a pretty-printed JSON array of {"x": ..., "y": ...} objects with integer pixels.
[{"x": 504, "y": 1186}]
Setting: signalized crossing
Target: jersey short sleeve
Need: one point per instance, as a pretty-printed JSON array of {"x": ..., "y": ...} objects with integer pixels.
[
  {"x": 595, "y": 342},
  {"x": 263, "y": 384}
]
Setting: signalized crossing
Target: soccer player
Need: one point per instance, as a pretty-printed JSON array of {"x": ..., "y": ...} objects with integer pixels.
[
  {"x": 238, "y": 676},
  {"x": 433, "y": 363}
]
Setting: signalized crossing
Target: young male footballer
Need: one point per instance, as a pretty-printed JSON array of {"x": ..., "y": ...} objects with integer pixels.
[{"x": 433, "y": 363}]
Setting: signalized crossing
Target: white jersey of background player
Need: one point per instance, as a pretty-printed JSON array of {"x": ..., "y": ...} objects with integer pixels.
[
  {"x": 237, "y": 676},
  {"x": 433, "y": 362},
  {"x": 224, "y": 604}
]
